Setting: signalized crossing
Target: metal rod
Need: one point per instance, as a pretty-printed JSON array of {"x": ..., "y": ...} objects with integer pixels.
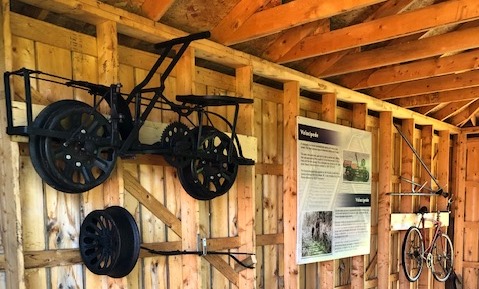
[{"x": 418, "y": 157}]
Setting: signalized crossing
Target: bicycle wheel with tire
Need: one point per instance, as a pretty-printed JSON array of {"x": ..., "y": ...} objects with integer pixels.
[
  {"x": 442, "y": 258},
  {"x": 412, "y": 253}
]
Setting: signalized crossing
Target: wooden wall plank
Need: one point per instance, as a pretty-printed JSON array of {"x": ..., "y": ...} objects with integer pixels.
[
  {"x": 327, "y": 268},
  {"x": 63, "y": 38},
  {"x": 384, "y": 187},
  {"x": 270, "y": 190},
  {"x": 360, "y": 111},
  {"x": 460, "y": 152},
  {"x": 32, "y": 200},
  {"x": 189, "y": 206},
  {"x": 10, "y": 204},
  {"x": 290, "y": 111},
  {"x": 246, "y": 186},
  {"x": 407, "y": 160},
  {"x": 471, "y": 215}
]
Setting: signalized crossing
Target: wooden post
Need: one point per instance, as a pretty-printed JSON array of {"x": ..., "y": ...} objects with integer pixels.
[
  {"x": 360, "y": 112},
  {"x": 426, "y": 155},
  {"x": 443, "y": 156},
  {"x": 189, "y": 206},
  {"x": 384, "y": 214},
  {"x": 108, "y": 73},
  {"x": 407, "y": 168},
  {"x": 290, "y": 110},
  {"x": 460, "y": 152},
  {"x": 443, "y": 179},
  {"x": 246, "y": 188},
  {"x": 425, "y": 280},
  {"x": 326, "y": 268},
  {"x": 11, "y": 222}
]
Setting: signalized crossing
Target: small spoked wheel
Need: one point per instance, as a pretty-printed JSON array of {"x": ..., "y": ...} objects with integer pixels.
[
  {"x": 79, "y": 156},
  {"x": 442, "y": 258},
  {"x": 412, "y": 254},
  {"x": 176, "y": 140},
  {"x": 211, "y": 173},
  {"x": 110, "y": 242}
]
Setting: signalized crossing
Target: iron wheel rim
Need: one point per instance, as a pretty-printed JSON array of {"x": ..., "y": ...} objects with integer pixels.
[
  {"x": 209, "y": 175},
  {"x": 78, "y": 164},
  {"x": 110, "y": 242}
]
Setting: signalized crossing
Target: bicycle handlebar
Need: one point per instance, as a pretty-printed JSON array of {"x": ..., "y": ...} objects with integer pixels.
[{"x": 182, "y": 40}]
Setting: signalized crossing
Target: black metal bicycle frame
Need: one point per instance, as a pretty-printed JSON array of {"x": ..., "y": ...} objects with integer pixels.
[{"x": 130, "y": 144}]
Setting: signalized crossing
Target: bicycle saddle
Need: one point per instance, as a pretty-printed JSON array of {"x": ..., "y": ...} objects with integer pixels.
[{"x": 422, "y": 210}]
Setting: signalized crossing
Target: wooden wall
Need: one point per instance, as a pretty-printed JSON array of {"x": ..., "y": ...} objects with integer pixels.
[{"x": 259, "y": 212}]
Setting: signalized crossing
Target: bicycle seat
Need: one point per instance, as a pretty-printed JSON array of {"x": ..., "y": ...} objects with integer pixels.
[
  {"x": 212, "y": 100},
  {"x": 422, "y": 210}
]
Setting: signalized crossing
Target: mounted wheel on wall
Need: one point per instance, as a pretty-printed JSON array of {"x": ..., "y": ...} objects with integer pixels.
[
  {"x": 110, "y": 242},
  {"x": 211, "y": 173},
  {"x": 77, "y": 154}
]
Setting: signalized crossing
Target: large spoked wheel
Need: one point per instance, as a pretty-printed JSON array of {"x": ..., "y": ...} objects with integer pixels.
[
  {"x": 442, "y": 258},
  {"x": 79, "y": 157},
  {"x": 175, "y": 139},
  {"x": 412, "y": 252},
  {"x": 209, "y": 175},
  {"x": 110, "y": 242},
  {"x": 39, "y": 163}
]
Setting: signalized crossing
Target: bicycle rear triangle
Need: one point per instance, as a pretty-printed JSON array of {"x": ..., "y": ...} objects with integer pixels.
[{"x": 74, "y": 147}]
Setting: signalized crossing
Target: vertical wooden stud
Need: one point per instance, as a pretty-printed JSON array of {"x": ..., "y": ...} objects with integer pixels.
[
  {"x": 443, "y": 178},
  {"x": 460, "y": 153},
  {"x": 246, "y": 187},
  {"x": 426, "y": 155},
  {"x": 443, "y": 156},
  {"x": 11, "y": 222},
  {"x": 407, "y": 161},
  {"x": 290, "y": 111},
  {"x": 384, "y": 215},
  {"x": 360, "y": 111},
  {"x": 108, "y": 73},
  {"x": 189, "y": 206},
  {"x": 326, "y": 268}
]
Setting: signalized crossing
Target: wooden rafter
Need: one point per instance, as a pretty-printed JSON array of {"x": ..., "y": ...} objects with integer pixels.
[
  {"x": 154, "y": 9},
  {"x": 437, "y": 97},
  {"x": 235, "y": 18},
  {"x": 388, "y": 8},
  {"x": 292, "y": 37},
  {"x": 292, "y": 14},
  {"x": 411, "y": 71},
  {"x": 409, "y": 51},
  {"x": 428, "y": 109},
  {"x": 451, "y": 109},
  {"x": 464, "y": 116},
  {"x": 384, "y": 29},
  {"x": 423, "y": 86}
]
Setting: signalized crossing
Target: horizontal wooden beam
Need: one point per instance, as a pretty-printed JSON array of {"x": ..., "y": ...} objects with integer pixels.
[
  {"x": 402, "y": 221},
  {"x": 65, "y": 257}
]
